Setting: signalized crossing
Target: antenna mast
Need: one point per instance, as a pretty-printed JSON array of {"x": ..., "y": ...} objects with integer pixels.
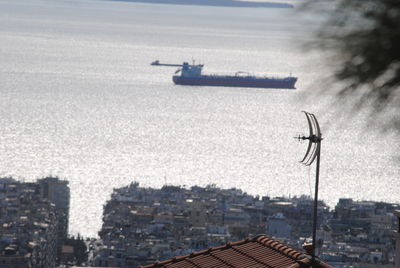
[{"x": 313, "y": 152}]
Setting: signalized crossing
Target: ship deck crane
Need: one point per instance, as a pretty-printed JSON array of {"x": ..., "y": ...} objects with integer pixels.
[{"x": 157, "y": 63}]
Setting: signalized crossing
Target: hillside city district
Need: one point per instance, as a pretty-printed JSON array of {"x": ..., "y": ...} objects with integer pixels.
[{"x": 145, "y": 225}]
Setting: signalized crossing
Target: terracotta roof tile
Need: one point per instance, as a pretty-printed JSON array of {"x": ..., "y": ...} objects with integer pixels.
[{"x": 258, "y": 252}]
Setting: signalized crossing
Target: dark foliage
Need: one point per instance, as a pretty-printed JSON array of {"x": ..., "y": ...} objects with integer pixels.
[
  {"x": 365, "y": 35},
  {"x": 80, "y": 249}
]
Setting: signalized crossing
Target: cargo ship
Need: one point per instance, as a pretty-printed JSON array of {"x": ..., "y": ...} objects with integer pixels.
[{"x": 191, "y": 74}]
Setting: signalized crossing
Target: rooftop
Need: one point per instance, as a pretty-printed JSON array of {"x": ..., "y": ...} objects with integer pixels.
[{"x": 258, "y": 252}]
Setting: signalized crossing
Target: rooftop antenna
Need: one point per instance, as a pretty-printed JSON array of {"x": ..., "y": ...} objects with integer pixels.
[{"x": 313, "y": 152}]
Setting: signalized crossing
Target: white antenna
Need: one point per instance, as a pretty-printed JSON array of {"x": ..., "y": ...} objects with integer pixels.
[{"x": 313, "y": 152}]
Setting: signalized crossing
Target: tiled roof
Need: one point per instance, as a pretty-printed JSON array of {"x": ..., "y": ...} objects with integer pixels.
[{"x": 258, "y": 252}]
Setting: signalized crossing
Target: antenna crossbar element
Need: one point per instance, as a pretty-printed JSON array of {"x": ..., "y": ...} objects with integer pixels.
[{"x": 314, "y": 140}]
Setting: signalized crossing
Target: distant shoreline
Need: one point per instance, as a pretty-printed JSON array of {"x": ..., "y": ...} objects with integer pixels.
[{"x": 215, "y": 3}]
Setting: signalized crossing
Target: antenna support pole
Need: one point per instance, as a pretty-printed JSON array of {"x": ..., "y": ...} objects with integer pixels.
[{"x": 316, "y": 205}]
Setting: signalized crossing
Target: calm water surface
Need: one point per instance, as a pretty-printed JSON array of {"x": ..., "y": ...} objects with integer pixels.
[{"x": 79, "y": 100}]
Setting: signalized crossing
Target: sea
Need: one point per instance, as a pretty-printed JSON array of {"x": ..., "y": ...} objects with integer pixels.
[{"x": 80, "y": 100}]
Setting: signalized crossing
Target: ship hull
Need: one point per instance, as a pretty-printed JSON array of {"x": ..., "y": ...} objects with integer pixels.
[{"x": 235, "y": 81}]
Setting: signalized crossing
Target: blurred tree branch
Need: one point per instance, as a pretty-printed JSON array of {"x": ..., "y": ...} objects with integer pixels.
[{"x": 365, "y": 37}]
